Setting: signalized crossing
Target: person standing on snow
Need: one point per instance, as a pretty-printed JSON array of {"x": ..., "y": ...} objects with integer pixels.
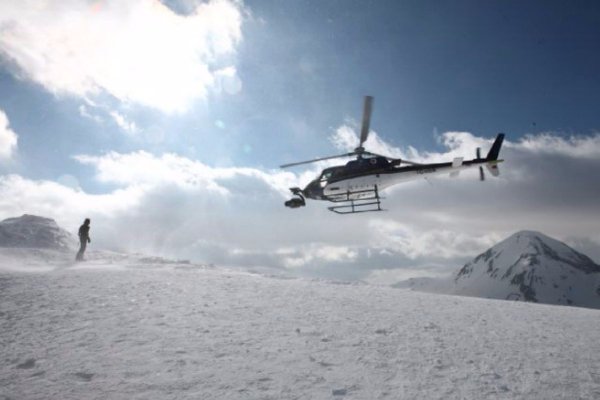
[{"x": 84, "y": 238}]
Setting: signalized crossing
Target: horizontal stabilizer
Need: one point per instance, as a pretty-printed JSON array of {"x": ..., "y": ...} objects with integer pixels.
[
  {"x": 457, "y": 162},
  {"x": 493, "y": 169}
]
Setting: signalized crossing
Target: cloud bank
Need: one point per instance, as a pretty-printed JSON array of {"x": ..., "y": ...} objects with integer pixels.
[
  {"x": 137, "y": 51},
  {"x": 176, "y": 206}
]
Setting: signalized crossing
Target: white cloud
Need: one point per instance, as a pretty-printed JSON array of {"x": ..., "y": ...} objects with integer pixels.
[
  {"x": 459, "y": 144},
  {"x": 572, "y": 146},
  {"x": 465, "y": 144},
  {"x": 144, "y": 168},
  {"x": 448, "y": 218},
  {"x": 456, "y": 144},
  {"x": 235, "y": 216},
  {"x": 434, "y": 243},
  {"x": 345, "y": 138},
  {"x": 8, "y": 138},
  {"x": 123, "y": 122},
  {"x": 137, "y": 51},
  {"x": 228, "y": 81},
  {"x": 86, "y": 113},
  {"x": 315, "y": 253},
  {"x": 19, "y": 196}
]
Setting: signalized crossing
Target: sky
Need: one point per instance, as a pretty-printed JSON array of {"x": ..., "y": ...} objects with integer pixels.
[{"x": 165, "y": 123}]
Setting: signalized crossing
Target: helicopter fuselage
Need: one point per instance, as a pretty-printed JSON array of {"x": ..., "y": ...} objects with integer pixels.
[
  {"x": 355, "y": 186},
  {"x": 359, "y": 177}
]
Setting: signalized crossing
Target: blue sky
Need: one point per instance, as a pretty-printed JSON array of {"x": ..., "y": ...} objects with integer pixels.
[{"x": 235, "y": 89}]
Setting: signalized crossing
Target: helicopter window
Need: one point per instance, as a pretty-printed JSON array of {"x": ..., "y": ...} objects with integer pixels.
[{"x": 326, "y": 175}]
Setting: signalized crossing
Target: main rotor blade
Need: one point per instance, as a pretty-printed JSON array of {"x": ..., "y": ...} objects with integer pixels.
[
  {"x": 366, "y": 121},
  {"x": 317, "y": 159}
]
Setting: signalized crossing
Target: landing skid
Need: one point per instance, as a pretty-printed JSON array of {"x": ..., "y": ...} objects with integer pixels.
[{"x": 350, "y": 205}]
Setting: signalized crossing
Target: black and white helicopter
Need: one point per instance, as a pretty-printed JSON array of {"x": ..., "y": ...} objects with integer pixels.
[{"x": 356, "y": 186}]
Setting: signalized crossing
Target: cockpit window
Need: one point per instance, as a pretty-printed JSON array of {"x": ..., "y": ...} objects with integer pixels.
[{"x": 326, "y": 175}]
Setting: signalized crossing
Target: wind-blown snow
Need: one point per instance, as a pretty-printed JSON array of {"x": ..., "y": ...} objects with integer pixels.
[{"x": 172, "y": 331}]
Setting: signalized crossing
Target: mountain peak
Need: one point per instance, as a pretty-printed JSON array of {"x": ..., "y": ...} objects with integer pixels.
[
  {"x": 526, "y": 237},
  {"x": 29, "y": 219},
  {"x": 531, "y": 266},
  {"x": 526, "y": 234},
  {"x": 533, "y": 245}
]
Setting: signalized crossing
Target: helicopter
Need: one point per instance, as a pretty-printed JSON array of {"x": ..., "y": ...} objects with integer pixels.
[{"x": 355, "y": 187}]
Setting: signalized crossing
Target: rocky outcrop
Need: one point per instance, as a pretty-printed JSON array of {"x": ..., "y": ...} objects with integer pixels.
[{"x": 31, "y": 231}]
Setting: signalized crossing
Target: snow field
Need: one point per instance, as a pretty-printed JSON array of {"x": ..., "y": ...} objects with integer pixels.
[{"x": 198, "y": 333}]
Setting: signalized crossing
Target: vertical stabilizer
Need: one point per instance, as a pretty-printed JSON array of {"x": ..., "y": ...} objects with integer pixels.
[{"x": 495, "y": 150}]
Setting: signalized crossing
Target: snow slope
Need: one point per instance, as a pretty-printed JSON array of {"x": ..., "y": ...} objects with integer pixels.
[
  {"x": 134, "y": 330},
  {"x": 531, "y": 266},
  {"x": 31, "y": 231}
]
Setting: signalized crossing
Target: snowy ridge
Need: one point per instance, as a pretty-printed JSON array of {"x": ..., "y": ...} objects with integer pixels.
[
  {"x": 425, "y": 284},
  {"x": 31, "y": 231},
  {"x": 531, "y": 266}
]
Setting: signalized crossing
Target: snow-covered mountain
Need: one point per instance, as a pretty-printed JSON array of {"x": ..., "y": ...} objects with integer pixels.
[
  {"x": 531, "y": 266},
  {"x": 31, "y": 231}
]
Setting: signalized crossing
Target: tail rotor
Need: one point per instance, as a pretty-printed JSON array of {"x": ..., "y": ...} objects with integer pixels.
[{"x": 491, "y": 158}]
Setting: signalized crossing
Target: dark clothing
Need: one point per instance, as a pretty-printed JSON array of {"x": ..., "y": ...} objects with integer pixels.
[
  {"x": 82, "y": 246},
  {"x": 84, "y": 239},
  {"x": 84, "y": 232}
]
